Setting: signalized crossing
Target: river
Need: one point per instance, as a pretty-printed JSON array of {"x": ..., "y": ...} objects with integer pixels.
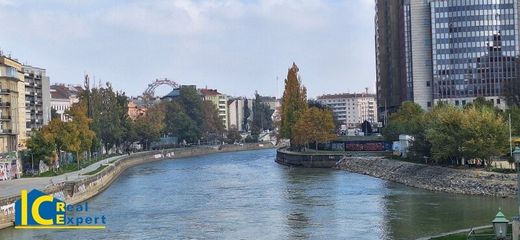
[{"x": 246, "y": 195}]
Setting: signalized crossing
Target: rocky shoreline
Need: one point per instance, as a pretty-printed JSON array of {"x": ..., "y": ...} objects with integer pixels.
[{"x": 435, "y": 178}]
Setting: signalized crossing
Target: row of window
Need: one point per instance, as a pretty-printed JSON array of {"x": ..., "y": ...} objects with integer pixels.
[{"x": 458, "y": 5}]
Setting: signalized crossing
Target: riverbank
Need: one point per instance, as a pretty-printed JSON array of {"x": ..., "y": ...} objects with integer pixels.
[
  {"x": 82, "y": 189},
  {"x": 434, "y": 178}
]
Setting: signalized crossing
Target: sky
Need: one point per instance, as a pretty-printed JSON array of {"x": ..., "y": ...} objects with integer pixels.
[{"x": 236, "y": 46}]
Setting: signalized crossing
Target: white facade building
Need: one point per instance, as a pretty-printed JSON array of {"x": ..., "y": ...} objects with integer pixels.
[
  {"x": 62, "y": 97},
  {"x": 351, "y": 109}
]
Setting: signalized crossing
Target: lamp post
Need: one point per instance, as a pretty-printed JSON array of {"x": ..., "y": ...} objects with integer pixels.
[
  {"x": 500, "y": 225},
  {"x": 516, "y": 156},
  {"x": 516, "y": 220}
]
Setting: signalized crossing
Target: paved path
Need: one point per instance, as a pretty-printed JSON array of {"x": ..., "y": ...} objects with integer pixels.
[{"x": 13, "y": 187}]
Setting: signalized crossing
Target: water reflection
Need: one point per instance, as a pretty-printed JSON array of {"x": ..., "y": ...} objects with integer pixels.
[{"x": 246, "y": 195}]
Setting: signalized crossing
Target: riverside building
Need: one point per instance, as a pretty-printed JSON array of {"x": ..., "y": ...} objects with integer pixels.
[
  {"x": 451, "y": 51},
  {"x": 12, "y": 105},
  {"x": 351, "y": 109},
  {"x": 37, "y": 98}
]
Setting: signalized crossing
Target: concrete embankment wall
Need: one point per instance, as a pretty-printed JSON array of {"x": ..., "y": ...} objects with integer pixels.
[
  {"x": 318, "y": 160},
  {"x": 78, "y": 191},
  {"x": 288, "y": 158},
  {"x": 435, "y": 178}
]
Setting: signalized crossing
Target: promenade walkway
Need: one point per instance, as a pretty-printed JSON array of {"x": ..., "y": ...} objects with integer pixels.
[{"x": 13, "y": 187}]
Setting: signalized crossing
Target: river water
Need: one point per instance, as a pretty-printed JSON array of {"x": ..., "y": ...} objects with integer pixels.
[{"x": 246, "y": 195}]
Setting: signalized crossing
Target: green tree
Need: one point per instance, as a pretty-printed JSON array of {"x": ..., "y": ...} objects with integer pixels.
[
  {"x": 366, "y": 127},
  {"x": 409, "y": 119},
  {"x": 54, "y": 114},
  {"x": 294, "y": 103},
  {"x": 148, "y": 128},
  {"x": 261, "y": 116},
  {"x": 486, "y": 134},
  {"x": 247, "y": 114},
  {"x": 40, "y": 148},
  {"x": 446, "y": 133},
  {"x": 456, "y": 134},
  {"x": 233, "y": 136},
  {"x": 191, "y": 102}
]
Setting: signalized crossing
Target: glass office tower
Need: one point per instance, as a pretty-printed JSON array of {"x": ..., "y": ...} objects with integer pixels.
[{"x": 474, "y": 46}]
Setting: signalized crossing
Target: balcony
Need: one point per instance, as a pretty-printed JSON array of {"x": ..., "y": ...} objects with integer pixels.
[
  {"x": 5, "y": 104},
  {"x": 6, "y": 131},
  {"x": 5, "y": 91},
  {"x": 5, "y": 118}
]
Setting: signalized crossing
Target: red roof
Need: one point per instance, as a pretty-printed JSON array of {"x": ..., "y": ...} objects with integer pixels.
[
  {"x": 209, "y": 92},
  {"x": 61, "y": 91}
]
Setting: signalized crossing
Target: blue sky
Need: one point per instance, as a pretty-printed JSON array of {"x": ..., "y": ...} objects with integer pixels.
[{"x": 235, "y": 46}]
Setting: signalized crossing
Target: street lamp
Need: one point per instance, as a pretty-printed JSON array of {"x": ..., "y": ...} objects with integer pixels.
[
  {"x": 516, "y": 156},
  {"x": 500, "y": 225}
]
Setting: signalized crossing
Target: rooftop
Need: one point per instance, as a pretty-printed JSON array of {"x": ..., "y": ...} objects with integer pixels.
[
  {"x": 346, "y": 95},
  {"x": 62, "y": 91},
  {"x": 209, "y": 92}
]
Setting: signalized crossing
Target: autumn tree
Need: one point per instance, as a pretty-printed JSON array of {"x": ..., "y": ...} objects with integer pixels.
[
  {"x": 446, "y": 133},
  {"x": 148, "y": 128},
  {"x": 315, "y": 126},
  {"x": 473, "y": 132},
  {"x": 212, "y": 125},
  {"x": 486, "y": 134},
  {"x": 294, "y": 103},
  {"x": 79, "y": 129}
]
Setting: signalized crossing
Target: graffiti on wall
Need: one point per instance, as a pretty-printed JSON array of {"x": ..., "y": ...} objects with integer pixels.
[
  {"x": 369, "y": 146},
  {"x": 7, "y": 209}
]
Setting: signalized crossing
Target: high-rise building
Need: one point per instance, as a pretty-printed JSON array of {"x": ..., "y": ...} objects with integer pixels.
[
  {"x": 351, "y": 109},
  {"x": 37, "y": 98},
  {"x": 451, "y": 51},
  {"x": 391, "y": 83},
  {"x": 12, "y": 105}
]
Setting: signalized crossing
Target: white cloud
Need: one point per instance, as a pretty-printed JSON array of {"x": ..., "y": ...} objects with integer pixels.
[{"x": 231, "y": 40}]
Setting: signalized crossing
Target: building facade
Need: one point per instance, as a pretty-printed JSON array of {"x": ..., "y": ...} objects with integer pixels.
[
  {"x": 12, "y": 106},
  {"x": 453, "y": 50},
  {"x": 220, "y": 101},
  {"x": 352, "y": 109},
  {"x": 37, "y": 98},
  {"x": 62, "y": 98},
  {"x": 391, "y": 84},
  {"x": 236, "y": 111}
]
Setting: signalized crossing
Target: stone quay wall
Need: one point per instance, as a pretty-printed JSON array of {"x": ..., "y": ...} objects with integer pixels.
[
  {"x": 310, "y": 160},
  {"x": 73, "y": 192},
  {"x": 435, "y": 178}
]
